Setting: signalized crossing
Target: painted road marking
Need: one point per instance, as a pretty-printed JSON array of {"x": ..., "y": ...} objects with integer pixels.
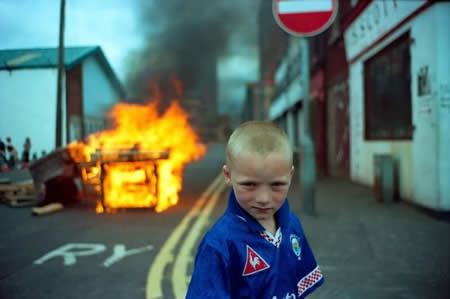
[
  {"x": 165, "y": 254},
  {"x": 180, "y": 279},
  {"x": 120, "y": 252},
  {"x": 71, "y": 251}
]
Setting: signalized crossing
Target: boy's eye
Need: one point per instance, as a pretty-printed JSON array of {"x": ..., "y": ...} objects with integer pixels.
[
  {"x": 278, "y": 184},
  {"x": 248, "y": 184}
]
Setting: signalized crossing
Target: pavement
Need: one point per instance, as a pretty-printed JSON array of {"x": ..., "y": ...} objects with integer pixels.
[{"x": 368, "y": 249}]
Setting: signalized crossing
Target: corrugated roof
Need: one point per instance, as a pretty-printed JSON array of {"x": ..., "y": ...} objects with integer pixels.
[
  {"x": 41, "y": 58},
  {"x": 48, "y": 58}
]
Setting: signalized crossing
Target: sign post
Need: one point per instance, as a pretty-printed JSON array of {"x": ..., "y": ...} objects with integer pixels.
[{"x": 303, "y": 19}]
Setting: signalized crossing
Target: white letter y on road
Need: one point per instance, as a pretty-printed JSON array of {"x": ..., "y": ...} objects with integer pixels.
[{"x": 120, "y": 252}]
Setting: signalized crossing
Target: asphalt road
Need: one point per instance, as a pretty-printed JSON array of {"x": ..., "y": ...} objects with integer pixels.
[{"x": 77, "y": 253}]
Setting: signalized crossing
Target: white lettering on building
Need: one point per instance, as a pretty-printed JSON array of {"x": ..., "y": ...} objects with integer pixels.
[{"x": 377, "y": 19}]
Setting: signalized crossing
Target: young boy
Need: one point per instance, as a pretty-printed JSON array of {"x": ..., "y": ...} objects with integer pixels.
[{"x": 257, "y": 249}]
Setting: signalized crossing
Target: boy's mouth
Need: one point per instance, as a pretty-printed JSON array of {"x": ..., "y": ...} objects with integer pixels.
[{"x": 262, "y": 210}]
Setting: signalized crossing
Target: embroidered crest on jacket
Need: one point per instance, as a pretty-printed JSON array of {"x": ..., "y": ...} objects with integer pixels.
[
  {"x": 254, "y": 263},
  {"x": 296, "y": 248}
]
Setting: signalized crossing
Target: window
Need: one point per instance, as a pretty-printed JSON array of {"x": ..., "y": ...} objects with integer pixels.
[{"x": 387, "y": 92}]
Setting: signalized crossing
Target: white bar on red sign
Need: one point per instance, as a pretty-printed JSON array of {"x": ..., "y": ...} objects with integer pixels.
[{"x": 304, "y": 6}]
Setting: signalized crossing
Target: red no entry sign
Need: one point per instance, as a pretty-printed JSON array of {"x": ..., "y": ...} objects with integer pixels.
[{"x": 304, "y": 17}]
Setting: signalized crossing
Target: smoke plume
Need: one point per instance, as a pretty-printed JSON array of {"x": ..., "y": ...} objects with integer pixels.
[{"x": 187, "y": 38}]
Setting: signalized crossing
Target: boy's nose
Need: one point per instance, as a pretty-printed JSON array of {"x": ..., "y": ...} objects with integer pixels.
[{"x": 263, "y": 197}]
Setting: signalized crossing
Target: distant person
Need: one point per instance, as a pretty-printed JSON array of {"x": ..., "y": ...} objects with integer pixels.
[
  {"x": 26, "y": 153},
  {"x": 3, "y": 160},
  {"x": 58, "y": 192},
  {"x": 11, "y": 153},
  {"x": 9, "y": 142},
  {"x": 34, "y": 157},
  {"x": 258, "y": 248}
]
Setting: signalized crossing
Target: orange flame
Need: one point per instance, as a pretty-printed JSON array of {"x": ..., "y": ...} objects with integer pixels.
[{"x": 143, "y": 183}]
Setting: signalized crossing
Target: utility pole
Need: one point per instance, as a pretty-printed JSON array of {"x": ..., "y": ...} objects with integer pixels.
[
  {"x": 308, "y": 165},
  {"x": 59, "y": 88},
  {"x": 312, "y": 18}
]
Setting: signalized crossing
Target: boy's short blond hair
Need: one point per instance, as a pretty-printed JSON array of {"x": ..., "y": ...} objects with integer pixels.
[{"x": 259, "y": 137}]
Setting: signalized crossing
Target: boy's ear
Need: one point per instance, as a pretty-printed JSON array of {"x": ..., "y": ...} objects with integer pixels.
[
  {"x": 292, "y": 170},
  {"x": 227, "y": 174}
]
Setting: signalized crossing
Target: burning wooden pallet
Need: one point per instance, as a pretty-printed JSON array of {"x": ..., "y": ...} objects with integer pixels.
[
  {"x": 93, "y": 173},
  {"x": 18, "y": 194}
]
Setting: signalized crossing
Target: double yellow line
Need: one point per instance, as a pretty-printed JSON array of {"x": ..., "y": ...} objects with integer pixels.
[{"x": 179, "y": 280}]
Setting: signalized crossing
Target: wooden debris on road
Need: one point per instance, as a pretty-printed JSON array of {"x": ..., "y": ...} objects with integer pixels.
[
  {"x": 18, "y": 194},
  {"x": 47, "y": 209}
]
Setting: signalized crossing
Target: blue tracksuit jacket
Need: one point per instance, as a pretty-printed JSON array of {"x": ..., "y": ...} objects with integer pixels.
[{"x": 237, "y": 258}]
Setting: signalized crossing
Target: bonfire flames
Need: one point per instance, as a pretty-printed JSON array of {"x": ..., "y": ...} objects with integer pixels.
[{"x": 140, "y": 161}]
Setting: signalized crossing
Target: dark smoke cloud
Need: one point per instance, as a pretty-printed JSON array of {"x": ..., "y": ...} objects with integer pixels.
[{"x": 187, "y": 37}]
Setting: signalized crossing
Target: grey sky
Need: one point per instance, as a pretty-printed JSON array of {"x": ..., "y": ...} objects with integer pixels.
[
  {"x": 34, "y": 23},
  {"x": 112, "y": 24}
]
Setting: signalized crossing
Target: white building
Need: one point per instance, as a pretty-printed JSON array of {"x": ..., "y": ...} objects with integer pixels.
[
  {"x": 28, "y": 95},
  {"x": 398, "y": 55},
  {"x": 289, "y": 93}
]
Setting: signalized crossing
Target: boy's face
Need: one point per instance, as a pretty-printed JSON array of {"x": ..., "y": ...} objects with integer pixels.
[{"x": 260, "y": 183}]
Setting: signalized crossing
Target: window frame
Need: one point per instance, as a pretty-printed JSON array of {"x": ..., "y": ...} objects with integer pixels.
[{"x": 373, "y": 131}]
